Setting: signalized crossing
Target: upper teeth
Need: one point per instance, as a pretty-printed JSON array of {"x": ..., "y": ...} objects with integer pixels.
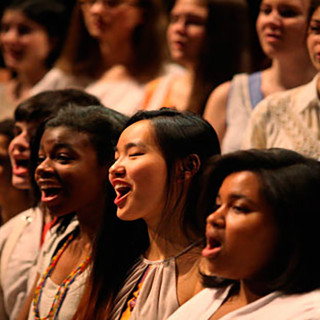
[{"x": 120, "y": 186}]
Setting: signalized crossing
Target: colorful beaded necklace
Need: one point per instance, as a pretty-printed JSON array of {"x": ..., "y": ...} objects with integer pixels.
[{"x": 63, "y": 288}]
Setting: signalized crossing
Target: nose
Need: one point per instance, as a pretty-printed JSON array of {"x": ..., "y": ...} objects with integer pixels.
[
  {"x": 117, "y": 170},
  {"x": 44, "y": 169},
  {"x": 274, "y": 18},
  {"x": 19, "y": 144},
  {"x": 180, "y": 25},
  {"x": 10, "y": 35},
  {"x": 217, "y": 218},
  {"x": 98, "y": 7}
]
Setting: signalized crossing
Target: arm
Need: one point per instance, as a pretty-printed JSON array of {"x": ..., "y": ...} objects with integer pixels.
[
  {"x": 215, "y": 110},
  {"x": 255, "y": 135},
  {"x": 24, "y": 312}
]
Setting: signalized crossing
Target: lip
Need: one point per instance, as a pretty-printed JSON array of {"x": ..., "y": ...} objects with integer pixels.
[
  {"x": 19, "y": 170},
  {"x": 99, "y": 24},
  {"x": 214, "y": 244},
  {"x": 44, "y": 186},
  {"x": 12, "y": 53},
  {"x": 178, "y": 44},
  {"x": 272, "y": 37},
  {"x": 119, "y": 184}
]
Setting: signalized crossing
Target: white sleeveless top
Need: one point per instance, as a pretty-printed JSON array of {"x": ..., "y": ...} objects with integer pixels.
[{"x": 158, "y": 296}]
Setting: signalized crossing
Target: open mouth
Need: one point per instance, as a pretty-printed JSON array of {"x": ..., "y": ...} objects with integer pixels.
[
  {"x": 122, "y": 191},
  {"x": 49, "y": 194},
  {"x": 21, "y": 166},
  {"x": 212, "y": 243},
  {"x": 212, "y": 249}
]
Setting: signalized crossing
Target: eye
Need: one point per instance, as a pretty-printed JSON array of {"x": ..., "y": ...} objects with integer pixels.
[
  {"x": 23, "y": 29},
  {"x": 40, "y": 159},
  {"x": 111, "y": 3},
  {"x": 63, "y": 158},
  {"x": 16, "y": 131},
  {"x": 196, "y": 21},
  {"x": 4, "y": 28},
  {"x": 174, "y": 18},
  {"x": 315, "y": 29},
  {"x": 265, "y": 10},
  {"x": 240, "y": 209},
  {"x": 288, "y": 13}
]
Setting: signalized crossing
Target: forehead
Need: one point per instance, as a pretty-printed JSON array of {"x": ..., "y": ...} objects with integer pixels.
[
  {"x": 141, "y": 131},
  {"x": 15, "y": 16},
  {"x": 244, "y": 183},
  {"x": 292, "y": 3},
  {"x": 190, "y": 7},
  {"x": 29, "y": 127},
  {"x": 65, "y": 136}
]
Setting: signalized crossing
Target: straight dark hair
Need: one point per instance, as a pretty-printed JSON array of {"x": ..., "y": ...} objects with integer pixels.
[
  {"x": 178, "y": 135},
  {"x": 290, "y": 184},
  {"x": 226, "y": 39},
  {"x": 81, "y": 53}
]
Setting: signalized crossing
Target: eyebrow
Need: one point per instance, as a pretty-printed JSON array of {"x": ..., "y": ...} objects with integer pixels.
[
  {"x": 131, "y": 145},
  {"x": 237, "y": 196},
  {"x": 59, "y": 146}
]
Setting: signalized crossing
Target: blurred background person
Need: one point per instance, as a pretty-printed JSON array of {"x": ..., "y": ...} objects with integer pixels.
[
  {"x": 12, "y": 200},
  {"x": 291, "y": 119},
  {"x": 31, "y": 36},
  {"x": 114, "y": 48},
  {"x": 281, "y": 27},
  {"x": 201, "y": 36}
]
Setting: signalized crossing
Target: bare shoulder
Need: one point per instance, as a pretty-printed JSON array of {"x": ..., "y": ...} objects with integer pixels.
[
  {"x": 189, "y": 280},
  {"x": 215, "y": 110},
  {"x": 219, "y": 95}
]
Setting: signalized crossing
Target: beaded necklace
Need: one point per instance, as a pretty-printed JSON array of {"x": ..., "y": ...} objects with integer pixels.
[{"x": 63, "y": 288}]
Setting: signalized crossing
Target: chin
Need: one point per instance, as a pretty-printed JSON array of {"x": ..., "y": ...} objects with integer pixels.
[
  {"x": 125, "y": 215},
  {"x": 21, "y": 183}
]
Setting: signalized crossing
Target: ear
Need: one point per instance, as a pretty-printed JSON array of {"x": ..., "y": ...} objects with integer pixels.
[{"x": 189, "y": 166}]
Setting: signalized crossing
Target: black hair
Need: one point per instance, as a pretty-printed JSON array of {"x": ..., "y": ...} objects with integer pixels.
[
  {"x": 6, "y": 128},
  {"x": 179, "y": 135},
  {"x": 44, "y": 105},
  {"x": 314, "y": 4},
  {"x": 51, "y": 15},
  {"x": 290, "y": 184},
  {"x": 226, "y": 39}
]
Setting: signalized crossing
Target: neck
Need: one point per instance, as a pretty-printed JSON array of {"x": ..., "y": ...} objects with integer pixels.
[
  {"x": 90, "y": 219},
  {"x": 14, "y": 202},
  {"x": 289, "y": 73},
  {"x": 116, "y": 54},
  {"x": 30, "y": 77},
  {"x": 251, "y": 291},
  {"x": 166, "y": 245}
]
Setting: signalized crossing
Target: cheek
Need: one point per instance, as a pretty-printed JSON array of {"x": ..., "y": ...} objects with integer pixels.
[
  {"x": 11, "y": 147},
  {"x": 129, "y": 19},
  {"x": 38, "y": 46},
  {"x": 169, "y": 33},
  {"x": 310, "y": 45},
  {"x": 151, "y": 180}
]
